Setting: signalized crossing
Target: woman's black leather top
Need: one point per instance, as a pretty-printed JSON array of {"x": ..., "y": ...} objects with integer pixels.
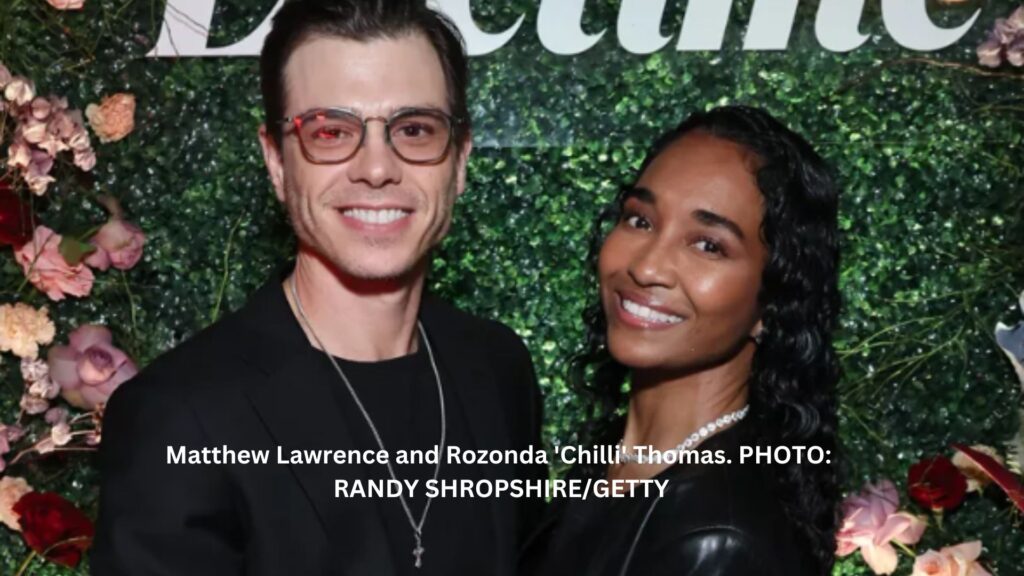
[{"x": 714, "y": 520}]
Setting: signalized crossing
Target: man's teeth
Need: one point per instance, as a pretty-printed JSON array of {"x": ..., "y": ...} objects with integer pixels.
[
  {"x": 649, "y": 314},
  {"x": 375, "y": 216}
]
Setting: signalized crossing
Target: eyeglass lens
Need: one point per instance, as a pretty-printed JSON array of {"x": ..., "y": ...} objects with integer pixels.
[{"x": 335, "y": 135}]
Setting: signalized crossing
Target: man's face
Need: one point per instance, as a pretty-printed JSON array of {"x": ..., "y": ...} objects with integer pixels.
[{"x": 373, "y": 216}]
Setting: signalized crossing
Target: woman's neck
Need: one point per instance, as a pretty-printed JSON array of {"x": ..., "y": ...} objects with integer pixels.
[{"x": 664, "y": 409}]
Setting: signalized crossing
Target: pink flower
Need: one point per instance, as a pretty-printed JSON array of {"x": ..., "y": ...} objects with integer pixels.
[
  {"x": 34, "y": 369},
  {"x": 34, "y": 130},
  {"x": 118, "y": 244},
  {"x": 1005, "y": 42},
  {"x": 41, "y": 108},
  {"x": 44, "y": 388},
  {"x": 19, "y": 91},
  {"x": 79, "y": 139},
  {"x": 66, "y": 4},
  {"x": 1015, "y": 51},
  {"x": 870, "y": 523},
  {"x": 38, "y": 174},
  {"x": 45, "y": 446},
  {"x": 62, "y": 124},
  {"x": 33, "y": 404},
  {"x": 959, "y": 560},
  {"x": 56, "y": 415},
  {"x": 19, "y": 154},
  {"x": 85, "y": 159},
  {"x": 61, "y": 434},
  {"x": 1016, "y": 19},
  {"x": 90, "y": 368},
  {"x": 5, "y": 446},
  {"x": 11, "y": 490},
  {"x": 5, "y": 76},
  {"x": 13, "y": 432},
  {"x": 113, "y": 118},
  {"x": 47, "y": 270},
  {"x": 990, "y": 53}
]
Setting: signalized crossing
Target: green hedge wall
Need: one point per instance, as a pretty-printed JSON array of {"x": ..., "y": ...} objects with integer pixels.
[{"x": 929, "y": 147}]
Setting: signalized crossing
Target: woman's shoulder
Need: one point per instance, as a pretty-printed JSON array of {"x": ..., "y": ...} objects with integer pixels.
[
  {"x": 728, "y": 509},
  {"x": 734, "y": 496}
]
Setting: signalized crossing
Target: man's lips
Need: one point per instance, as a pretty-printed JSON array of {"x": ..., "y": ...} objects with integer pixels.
[{"x": 638, "y": 310}]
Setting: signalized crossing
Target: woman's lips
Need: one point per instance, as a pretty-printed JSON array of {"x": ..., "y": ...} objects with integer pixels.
[{"x": 635, "y": 312}]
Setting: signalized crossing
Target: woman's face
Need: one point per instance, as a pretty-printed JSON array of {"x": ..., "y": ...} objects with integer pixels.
[{"x": 681, "y": 270}]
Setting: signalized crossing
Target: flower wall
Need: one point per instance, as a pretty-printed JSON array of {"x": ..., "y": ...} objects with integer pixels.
[{"x": 134, "y": 210}]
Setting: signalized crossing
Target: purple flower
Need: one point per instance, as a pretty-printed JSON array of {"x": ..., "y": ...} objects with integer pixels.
[
  {"x": 1015, "y": 51},
  {"x": 1004, "y": 42},
  {"x": 90, "y": 368},
  {"x": 990, "y": 53}
]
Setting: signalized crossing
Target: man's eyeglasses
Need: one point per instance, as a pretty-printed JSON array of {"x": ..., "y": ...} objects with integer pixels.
[{"x": 333, "y": 135}]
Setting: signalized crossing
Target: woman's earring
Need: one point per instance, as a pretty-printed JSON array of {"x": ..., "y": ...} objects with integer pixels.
[{"x": 756, "y": 338}]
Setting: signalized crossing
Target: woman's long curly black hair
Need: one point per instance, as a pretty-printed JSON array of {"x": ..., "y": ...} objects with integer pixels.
[{"x": 792, "y": 388}]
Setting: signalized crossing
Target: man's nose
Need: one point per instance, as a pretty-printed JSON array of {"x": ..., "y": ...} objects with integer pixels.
[{"x": 375, "y": 163}]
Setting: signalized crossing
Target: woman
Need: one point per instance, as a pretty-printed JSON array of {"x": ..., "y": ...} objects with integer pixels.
[{"x": 718, "y": 296}]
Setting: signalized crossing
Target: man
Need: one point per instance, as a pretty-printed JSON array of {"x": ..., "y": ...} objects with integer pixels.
[{"x": 366, "y": 142}]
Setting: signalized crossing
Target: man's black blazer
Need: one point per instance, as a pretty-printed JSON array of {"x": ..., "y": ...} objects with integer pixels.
[{"x": 242, "y": 383}]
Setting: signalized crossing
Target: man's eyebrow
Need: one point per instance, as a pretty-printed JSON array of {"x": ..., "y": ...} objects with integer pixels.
[
  {"x": 712, "y": 219},
  {"x": 639, "y": 193}
]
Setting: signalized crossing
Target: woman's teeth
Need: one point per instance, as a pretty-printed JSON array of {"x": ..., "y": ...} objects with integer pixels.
[
  {"x": 375, "y": 216},
  {"x": 649, "y": 314}
]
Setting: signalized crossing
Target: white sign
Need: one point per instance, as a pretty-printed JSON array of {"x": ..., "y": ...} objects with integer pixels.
[{"x": 186, "y": 27}]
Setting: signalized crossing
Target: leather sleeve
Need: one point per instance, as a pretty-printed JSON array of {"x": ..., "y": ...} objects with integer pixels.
[
  {"x": 157, "y": 518},
  {"x": 708, "y": 552}
]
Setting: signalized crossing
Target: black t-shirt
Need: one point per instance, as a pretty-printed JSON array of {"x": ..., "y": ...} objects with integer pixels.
[{"x": 401, "y": 397}]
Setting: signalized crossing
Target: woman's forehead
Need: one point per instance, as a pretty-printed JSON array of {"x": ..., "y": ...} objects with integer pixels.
[{"x": 702, "y": 170}]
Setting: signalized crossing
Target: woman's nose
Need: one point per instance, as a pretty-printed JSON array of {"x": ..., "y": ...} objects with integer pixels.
[{"x": 652, "y": 267}]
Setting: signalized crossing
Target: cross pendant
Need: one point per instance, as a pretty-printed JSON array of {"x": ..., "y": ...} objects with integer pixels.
[{"x": 418, "y": 553}]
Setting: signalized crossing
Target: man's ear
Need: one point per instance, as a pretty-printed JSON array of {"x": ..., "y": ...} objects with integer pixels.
[
  {"x": 460, "y": 163},
  {"x": 272, "y": 158}
]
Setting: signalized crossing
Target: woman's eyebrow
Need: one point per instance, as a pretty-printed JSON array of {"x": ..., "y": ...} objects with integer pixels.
[
  {"x": 639, "y": 193},
  {"x": 712, "y": 219}
]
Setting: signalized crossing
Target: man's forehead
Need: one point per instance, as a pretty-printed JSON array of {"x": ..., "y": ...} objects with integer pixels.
[{"x": 373, "y": 77}]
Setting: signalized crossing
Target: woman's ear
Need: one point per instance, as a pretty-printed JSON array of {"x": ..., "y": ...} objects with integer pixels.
[{"x": 757, "y": 334}]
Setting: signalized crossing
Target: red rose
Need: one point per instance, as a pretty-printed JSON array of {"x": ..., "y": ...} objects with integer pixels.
[
  {"x": 15, "y": 217},
  {"x": 53, "y": 527},
  {"x": 936, "y": 483}
]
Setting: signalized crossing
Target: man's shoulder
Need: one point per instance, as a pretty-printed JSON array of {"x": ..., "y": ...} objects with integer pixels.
[
  {"x": 473, "y": 329},
  {"x": 222, "y": 342},
  {"x": 215, "y": 354}
]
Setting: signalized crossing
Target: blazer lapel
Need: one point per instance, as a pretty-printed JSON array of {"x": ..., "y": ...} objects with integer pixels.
[{"x": 299, "y": 410}]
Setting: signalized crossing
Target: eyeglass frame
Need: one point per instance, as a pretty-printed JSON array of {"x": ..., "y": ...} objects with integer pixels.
[{"x": 296, "y": 120}]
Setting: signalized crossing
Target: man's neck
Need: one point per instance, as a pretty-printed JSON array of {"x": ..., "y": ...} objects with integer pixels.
[{"x": 353, "y": 319}]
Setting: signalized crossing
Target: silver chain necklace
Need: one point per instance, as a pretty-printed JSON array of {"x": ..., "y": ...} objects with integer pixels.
[
  {"x": 417, "y": 527},
  {"x": 709, "y": 429}
]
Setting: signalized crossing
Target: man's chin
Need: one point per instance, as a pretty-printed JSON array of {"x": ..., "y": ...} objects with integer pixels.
[{"x": 393, "y": 274}]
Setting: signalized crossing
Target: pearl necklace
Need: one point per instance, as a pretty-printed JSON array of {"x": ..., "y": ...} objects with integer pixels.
[{"x": 709, "y": 429}]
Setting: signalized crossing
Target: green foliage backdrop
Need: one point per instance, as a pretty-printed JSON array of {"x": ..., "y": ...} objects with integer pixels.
[{"x": 929, "y": 148}]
